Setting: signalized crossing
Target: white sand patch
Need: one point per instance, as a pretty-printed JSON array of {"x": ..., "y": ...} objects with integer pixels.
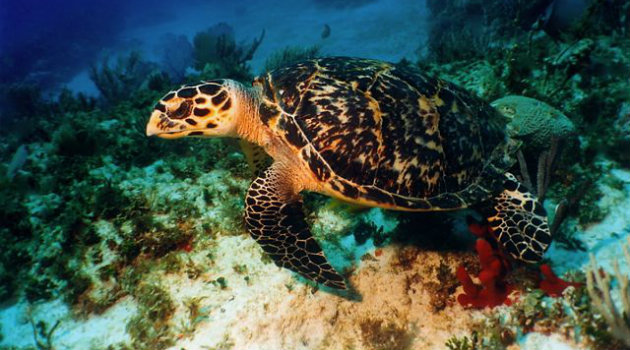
[
  {"x": 378, "y": 216},
  {"x": 276, "y": 311},
  {"x": 538, "y": 341},
  {"x": 94, "y": 332},
  {"x": 603, "y": 239}
]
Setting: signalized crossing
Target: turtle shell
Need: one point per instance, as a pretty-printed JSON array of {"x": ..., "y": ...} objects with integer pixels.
[{"x": 386, "y": 134}]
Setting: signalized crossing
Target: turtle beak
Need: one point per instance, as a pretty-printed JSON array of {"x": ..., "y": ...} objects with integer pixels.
[
  {"x": 161, "y": 126},
  {"x": 152, "y": 125}
]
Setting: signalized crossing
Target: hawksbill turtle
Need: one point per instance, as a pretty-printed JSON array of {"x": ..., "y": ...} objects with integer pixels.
[{"x": 366, "y": 132}]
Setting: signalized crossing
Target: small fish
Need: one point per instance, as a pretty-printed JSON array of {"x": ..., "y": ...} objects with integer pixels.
[
  {"x": 326, "y": 31},
  {"x": 18, "y": 160}
]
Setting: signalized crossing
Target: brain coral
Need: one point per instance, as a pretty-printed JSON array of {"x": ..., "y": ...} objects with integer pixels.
[{"x": 534, "y": 121}]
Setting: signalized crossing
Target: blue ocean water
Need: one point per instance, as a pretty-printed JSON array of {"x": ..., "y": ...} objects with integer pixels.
[
  {"x": 52, "y": 42},
  {"x": 112, "y": 239}
]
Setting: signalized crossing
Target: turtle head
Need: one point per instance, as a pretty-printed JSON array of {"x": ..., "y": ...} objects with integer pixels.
[{"x": 204, "y": 110}]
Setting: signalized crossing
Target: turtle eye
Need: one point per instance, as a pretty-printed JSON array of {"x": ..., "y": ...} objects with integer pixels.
[{"x": 182, "y": 111}]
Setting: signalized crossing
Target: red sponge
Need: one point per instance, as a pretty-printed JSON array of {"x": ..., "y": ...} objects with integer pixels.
[
  {"x": 493, "y": 290},
  {"x": 553, "y": 285},
  {"x": 479, "y": 230}
]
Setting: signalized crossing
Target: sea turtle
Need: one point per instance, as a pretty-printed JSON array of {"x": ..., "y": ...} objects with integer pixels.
[{"x": 366, "y": 132}]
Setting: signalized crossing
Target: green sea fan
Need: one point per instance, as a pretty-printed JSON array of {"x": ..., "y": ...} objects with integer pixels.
[{"x": 217, "y": 54}]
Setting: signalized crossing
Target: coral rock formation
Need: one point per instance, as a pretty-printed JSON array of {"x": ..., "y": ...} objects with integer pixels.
[{"x": 534, "y": 121}]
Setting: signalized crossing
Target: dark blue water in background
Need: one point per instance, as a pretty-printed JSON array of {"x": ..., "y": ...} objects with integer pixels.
[{"x": 49, "y": 42}]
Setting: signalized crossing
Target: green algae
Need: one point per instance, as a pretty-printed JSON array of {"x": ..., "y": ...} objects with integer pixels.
[
  {"x": 459, "y": 343},
  {"x": 150, "y": 329},
  {"x": 379, "y": 334},
  {"x": 196, "y": 314}
]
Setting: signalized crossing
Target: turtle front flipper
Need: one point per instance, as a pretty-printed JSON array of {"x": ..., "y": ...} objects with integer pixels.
[
  {"x": 519, "y": 222},
  {"x": 257, "y": 158},
  {"x": 274, "y": 218}
]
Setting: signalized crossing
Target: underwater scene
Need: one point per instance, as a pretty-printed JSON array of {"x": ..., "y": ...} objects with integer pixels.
[{"x": 315, "y": 174}]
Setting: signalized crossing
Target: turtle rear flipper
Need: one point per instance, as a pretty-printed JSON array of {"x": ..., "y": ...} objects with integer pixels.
[
  {"x": 274, "y": 218},
  {"x": 520, "y": 222}
]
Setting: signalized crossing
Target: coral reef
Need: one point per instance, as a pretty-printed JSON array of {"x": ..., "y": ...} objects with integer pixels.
[
  {"x": 578, "y": 75},
  {"x": 83, "y": 218},
  {"x": 79, "y": 189}
]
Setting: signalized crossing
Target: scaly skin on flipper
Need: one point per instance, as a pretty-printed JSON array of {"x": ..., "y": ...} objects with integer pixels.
[
  {"x": 365, "y": 132},
  {"x": 274, "y": 218},
  {"x": 520, "y": 222}
]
